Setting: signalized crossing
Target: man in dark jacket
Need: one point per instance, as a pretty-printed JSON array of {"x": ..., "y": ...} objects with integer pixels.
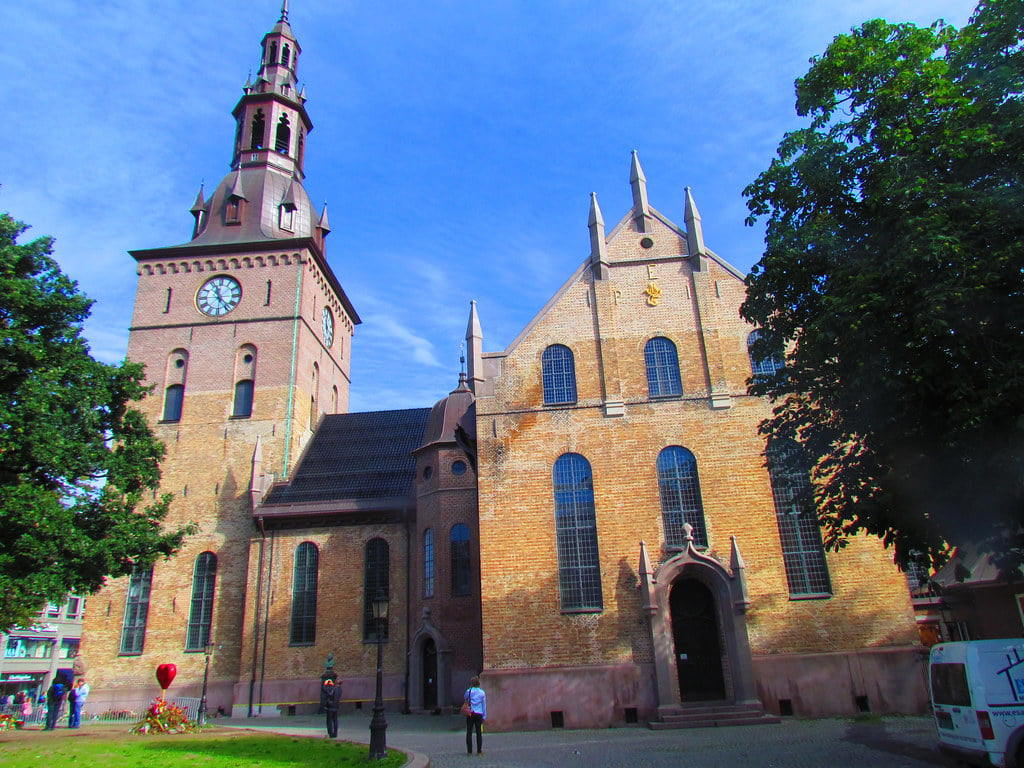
[
  {"x": 54, "y": 698},
  {"x": 330, "y": 700}
]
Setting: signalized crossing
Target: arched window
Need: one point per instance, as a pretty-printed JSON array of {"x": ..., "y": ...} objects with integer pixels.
[
  {"x": 259, "y": 131},
  {"x": 662, "y": 368},
  {"x": 286, "y": 55},
  {"x": 314, "y": 397},
  {"x": 174, "y": 400},
  {"x": 375, "y": 582},
  {"x": 243, "y": 399},
  {"x": 459, "y": 540},
  {"x": 680, "y": 496},
  {"x": 558, "y": 373},
  {"x": 283, "y": 137},
  {"x": 301, "y": 152},
  {"x": 200, "y": 617},
  {"x": 428, "y": 562},
  {"x": 802, "y": 553},
  {"x": 579, "y": 571},
  {"x": 174, "y": 377},
  {"x": 334, "y": 399},
  {"x": 763, "y": 365},
  {"x": 304, "y": 580},
  {"x": 272, "y": 56},
  {"x": 136, "y": 611}
]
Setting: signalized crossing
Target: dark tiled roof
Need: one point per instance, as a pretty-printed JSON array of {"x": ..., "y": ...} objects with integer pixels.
[{"x": 357, "y": 456}]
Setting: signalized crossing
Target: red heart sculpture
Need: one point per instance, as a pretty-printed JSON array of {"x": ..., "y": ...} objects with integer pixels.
[{"x": 165, "y": 675}]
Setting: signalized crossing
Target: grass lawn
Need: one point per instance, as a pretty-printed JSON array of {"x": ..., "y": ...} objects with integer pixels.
[{"x": 215, "y": 748}]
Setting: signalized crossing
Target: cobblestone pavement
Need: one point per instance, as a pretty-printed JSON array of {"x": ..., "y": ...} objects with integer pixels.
[{"x": 897, "y": 742}]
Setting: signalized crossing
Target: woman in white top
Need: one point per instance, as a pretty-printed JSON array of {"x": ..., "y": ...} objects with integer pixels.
[{"x": 476, "y": 700}]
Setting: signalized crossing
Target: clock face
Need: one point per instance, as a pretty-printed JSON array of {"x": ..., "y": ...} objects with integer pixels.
[
  {"x": 218, "y": 296},
  {"x": 328, "y": 327}
]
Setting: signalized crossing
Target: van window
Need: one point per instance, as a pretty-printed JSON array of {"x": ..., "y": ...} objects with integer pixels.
[{"x": 949, "y": 685}]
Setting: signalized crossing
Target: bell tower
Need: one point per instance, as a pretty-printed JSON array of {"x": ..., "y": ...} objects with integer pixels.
[{"x": 245, "y": 334}]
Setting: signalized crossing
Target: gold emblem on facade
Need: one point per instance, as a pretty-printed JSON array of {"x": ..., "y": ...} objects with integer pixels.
[{"x": 653, "y": 293}]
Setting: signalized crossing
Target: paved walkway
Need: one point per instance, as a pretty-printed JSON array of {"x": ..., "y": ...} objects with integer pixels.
[{"x": 897, "y": 742}]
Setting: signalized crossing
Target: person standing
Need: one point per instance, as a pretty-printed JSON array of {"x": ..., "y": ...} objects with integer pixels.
[
  {"x": 76, "y": 701},
  {"x": 54, "y": 697},
  {"x": 330, "y": 700},
  {"x": 476, "y": 700}
]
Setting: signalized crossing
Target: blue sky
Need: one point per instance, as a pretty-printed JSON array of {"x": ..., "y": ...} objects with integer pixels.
[{"x": 456, "y": 142}]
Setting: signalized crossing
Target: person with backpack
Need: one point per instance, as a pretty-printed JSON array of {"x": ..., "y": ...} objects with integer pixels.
[{"x": 54, "y": 698}]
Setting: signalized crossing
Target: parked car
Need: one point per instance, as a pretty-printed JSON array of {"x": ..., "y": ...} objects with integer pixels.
[{"x": 977, "y": 692}]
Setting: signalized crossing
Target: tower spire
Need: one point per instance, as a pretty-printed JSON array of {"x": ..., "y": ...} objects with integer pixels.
[
  {"x": 598, "y": 245},
  {"x": 284, "y": 10},
  {"x": 694, "y": 232},
  {"x": 475, "y": 348},
  {"x": 638, "y": 184}
]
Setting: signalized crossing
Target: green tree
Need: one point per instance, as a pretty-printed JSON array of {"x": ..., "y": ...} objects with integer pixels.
[
  {"x": 76, "y": 461},
  {"x": 893, "y": 275}
]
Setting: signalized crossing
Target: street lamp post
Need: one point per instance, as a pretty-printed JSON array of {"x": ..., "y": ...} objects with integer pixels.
[
  {"x": 208, "y": 650},
  {"x": 378, "y": 725}
]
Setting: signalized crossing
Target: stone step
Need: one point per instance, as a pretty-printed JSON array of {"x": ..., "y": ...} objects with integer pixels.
[
  {"x": 714, "y": 709},
  {"x": 712, "y": 722}
]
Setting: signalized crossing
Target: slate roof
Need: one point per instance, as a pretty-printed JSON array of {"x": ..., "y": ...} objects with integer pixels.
[{"x": 357, "y": 456}]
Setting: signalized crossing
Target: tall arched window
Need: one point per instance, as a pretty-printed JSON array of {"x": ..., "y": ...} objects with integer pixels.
[
  {"x": 136, "y": 611},
  {"x": 662, "y": 368},
  {"x": 283, "y": 137},
  {"x": 174, "y": 376},
  {"x": 245, "y": 381},
  {"x": 802, "y": 553},
  {"x": 558, "y": 374},
  {"x": 680, "y": 496},
  {"x": 459, "y": 541},
  {"x": 375, "y": 582},
  {"x": 304, "y": 581},
  {"x": 314, "y": 397},
  {"x": 286, "y": 55},
  {"x": 428, "y": 562},
  {"x": 243, "y": 399},
  {"x": 272, "y": 55},
  {"x": 763, "y": 365},
  {"x": 334, "y": 399},
  {"x": 579, "y": 571},
  {"x": 259, "y": 131},
  {"x": 200, "y": 617},
  {"x": 174, "y": 400}
]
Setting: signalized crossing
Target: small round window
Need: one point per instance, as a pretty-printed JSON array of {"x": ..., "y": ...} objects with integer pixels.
[
  {"x": 427, "y": 472},
  {"x": 646, "y": 243},
  {"x": 458, "y": 468}
]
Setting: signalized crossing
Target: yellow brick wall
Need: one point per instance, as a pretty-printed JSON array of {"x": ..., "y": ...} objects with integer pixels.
[{"x": 520, "y": 439}]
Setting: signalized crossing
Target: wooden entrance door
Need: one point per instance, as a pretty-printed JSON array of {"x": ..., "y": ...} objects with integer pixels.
[
  {"x": 698, "y": 651},
  {"x": 429, "y": 674}
]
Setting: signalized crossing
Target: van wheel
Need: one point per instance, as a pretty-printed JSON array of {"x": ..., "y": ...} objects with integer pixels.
[{"x": 1018, "y": 757}]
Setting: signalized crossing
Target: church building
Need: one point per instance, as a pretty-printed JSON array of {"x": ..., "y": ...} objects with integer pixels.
[{"x": 589, "y": 520}]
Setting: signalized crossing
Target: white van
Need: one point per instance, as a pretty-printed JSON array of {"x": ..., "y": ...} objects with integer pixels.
[{"x": 977, "y": 690}]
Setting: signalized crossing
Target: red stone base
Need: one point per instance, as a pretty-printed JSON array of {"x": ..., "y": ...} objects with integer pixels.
[
  {"x": 827, "y": 684},
  {"x": 587, "y": 697}
]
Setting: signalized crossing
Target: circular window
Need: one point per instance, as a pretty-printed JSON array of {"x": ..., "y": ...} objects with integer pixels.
[
  {"x": 459, "y": 468},
  {"x": 427, "y": 472},
  {"x": 647, "y": 243},
  {"x": 179, "y": 363},
  {"x": 247, "y": 358}
]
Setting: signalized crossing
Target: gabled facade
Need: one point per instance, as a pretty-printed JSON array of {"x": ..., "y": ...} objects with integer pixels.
[
  {"x": 587, "y": 520},
  {"x": 618, "y": 416}
]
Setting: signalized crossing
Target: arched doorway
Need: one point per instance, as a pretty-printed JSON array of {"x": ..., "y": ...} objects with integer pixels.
[
  {"x": 697, "y": 646},
  {"x": 429, "y": 674}
]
